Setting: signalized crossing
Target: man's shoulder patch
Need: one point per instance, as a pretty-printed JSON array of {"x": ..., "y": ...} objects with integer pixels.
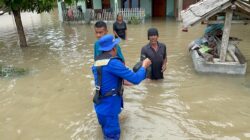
[{"x": 101, "y": 62}]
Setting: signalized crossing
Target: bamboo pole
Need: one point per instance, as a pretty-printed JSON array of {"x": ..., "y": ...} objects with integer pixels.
[{"x": 226, "y": 34}]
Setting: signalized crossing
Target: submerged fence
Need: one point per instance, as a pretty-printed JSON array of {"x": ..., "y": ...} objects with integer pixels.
[
  {"x": 73, "y": 15},
  {"x": 130, "y": 13},
  {"x": 103, "y": 14}
]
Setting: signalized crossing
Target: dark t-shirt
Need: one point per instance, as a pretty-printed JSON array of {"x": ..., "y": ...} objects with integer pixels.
[
  {"x": 120, "y": 29},
  {"x": 156, "y": 57}
]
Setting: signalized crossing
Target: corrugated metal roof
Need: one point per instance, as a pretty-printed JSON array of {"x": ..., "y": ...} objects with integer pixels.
[{"x": 207, "y": 8}]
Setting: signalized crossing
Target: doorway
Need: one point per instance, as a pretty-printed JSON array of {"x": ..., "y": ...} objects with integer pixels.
[
  {"x": 89, "y": 4},
  {"x": 130, "y": 3},
  {"x": 159, "y": 8},
  {"x": 105, "y": 4}
]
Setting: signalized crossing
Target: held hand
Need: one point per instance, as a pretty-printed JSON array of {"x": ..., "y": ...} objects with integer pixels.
[
  {"x": 127, "y": 83},
  {"x": 164, "y": 67},
  {"x": 146, "y": 63}
]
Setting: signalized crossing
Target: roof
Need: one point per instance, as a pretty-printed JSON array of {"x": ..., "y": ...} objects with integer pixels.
[{"x": 207, "y": 8}]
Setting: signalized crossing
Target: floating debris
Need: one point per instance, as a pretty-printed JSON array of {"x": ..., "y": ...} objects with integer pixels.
[{"x": 9, "y": 71}]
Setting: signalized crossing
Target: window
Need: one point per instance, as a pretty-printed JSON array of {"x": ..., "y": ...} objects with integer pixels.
[
  {"x": 130, "y": 4},
  {"x": 89, "y": 4}
]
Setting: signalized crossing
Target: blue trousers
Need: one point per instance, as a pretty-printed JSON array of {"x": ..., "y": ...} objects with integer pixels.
[{"x": 110, "y": 126}]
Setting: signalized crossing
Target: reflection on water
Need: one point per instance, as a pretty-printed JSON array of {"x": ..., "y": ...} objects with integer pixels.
[{"x": 54, "y": 101}]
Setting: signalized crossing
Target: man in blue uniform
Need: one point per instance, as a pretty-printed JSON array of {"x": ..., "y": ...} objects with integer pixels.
[
  {"x": 109, "y": 71},
  {"x": 101, "y": 30}
]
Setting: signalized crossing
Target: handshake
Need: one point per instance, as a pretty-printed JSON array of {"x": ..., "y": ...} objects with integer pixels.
[{"x": 145, "y": 62}]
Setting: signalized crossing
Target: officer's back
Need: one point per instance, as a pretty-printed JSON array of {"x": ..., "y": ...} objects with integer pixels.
[{"x": 109, "y": 72}]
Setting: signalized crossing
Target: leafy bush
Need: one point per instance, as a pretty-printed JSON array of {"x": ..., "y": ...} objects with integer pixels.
[
  {"x": 7, "y": 71},
  {"x": 134, "y": 20}
]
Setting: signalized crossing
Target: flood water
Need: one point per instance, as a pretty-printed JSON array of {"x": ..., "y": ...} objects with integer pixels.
[{"x": 54, "y": 100}]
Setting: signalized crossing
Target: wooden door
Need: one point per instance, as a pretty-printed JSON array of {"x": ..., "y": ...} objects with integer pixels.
[
  {"x": 105, "y": 4},
  {"x": 159, "y": 8},
  {"x": 187, "y": 3}
]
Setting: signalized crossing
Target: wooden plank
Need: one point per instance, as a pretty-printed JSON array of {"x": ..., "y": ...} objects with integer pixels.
[
  {"x": 226, "y": 34},
  {"x": 242, "y": 14},
  {"x": 240, "y": 56},
  {"x": 243, "y": 5},
  {"x": 231, "y": 50},
  {"x": 233, "y": 22},
  {"x": 201, "y": 8},
  {"x": 206, "y": 6},
  {"x": 217, "y": 61},
  {"x": 213, "y": 12},
  {"x": 190, "y": 18}
]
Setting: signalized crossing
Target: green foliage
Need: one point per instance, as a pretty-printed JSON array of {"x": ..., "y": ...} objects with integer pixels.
[
  {"x": 1, "y": 44},
  {"x": 32, "y": 5},
  {"x": 69, "y": 2},
  {"x": 1, "y": 3},
  {"x": 134, "y": 20},
  {"x": 18, "y": 6},
  {"x": 10, "y": 71},
  {"x": 29, "y": 5}
]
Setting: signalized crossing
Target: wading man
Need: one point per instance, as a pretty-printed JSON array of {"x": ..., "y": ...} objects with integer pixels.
[
  {"x": 101, "y": 30},
  {"x": 157, "y": 53}
]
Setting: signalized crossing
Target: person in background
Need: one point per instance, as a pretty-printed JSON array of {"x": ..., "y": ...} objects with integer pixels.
[
  {"x": 120, "y": 27},
  {"x": 109, "y": 71},
  {"x": 157, "y": 53},
  {"x": 70, "y": 14},
  {"x": 101, "y": 30}
]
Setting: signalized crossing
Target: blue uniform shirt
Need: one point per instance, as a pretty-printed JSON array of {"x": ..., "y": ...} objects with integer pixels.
[
  {"x": 111, "y": 73},
  {"x": 97, "y": 52}
]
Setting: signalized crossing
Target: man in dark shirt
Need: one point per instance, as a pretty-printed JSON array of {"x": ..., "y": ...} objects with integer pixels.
[{"x": 157, "y": 53}]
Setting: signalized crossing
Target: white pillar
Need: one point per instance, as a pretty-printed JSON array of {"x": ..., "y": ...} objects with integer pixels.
[
  {"x": 116, "y": 7},
  {"x": 180, "y": 7},
  {"x": 60, "y": 15}
]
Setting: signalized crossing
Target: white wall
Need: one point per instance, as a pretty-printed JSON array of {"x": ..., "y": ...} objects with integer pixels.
[
  {"x": 147, "y": 4},
  {"x": 83, "y": 5},
  {"x": 97, "y": 4},
  {"x": 170, "y": 8}
]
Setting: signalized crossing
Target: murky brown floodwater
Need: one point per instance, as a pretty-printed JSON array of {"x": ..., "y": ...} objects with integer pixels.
[{"x": 54, "y": 101}]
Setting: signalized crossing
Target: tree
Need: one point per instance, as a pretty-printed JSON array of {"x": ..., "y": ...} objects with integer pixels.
[{"x": 18, "y": 6}]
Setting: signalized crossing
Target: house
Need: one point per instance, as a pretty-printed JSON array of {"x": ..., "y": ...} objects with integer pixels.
[{"x": 153, "y": 8}]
